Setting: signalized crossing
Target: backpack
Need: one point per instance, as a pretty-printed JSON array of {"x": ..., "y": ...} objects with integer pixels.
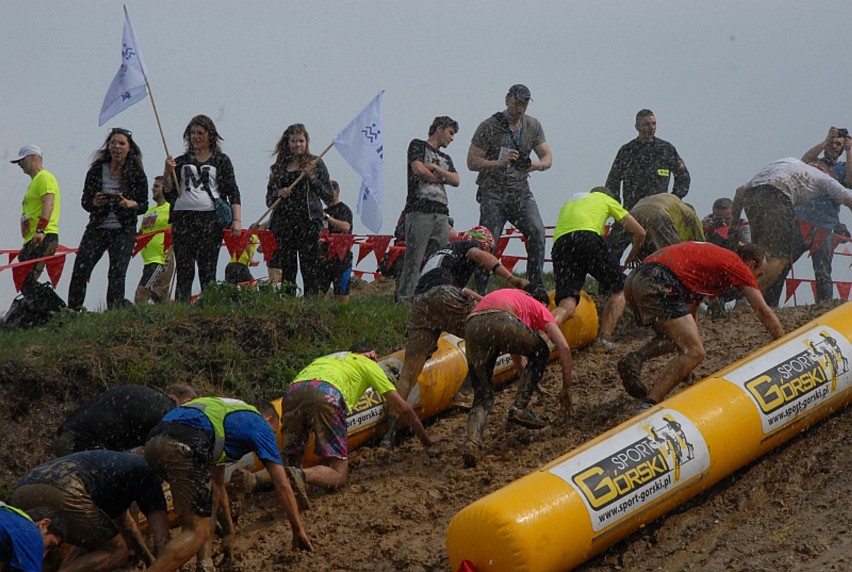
[{"x": 35, "y": 309}]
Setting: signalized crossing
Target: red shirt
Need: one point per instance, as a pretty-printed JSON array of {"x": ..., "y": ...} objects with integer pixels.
[
  {"x": 518, "y": 303},
  {"x": 704, "y": 268}
]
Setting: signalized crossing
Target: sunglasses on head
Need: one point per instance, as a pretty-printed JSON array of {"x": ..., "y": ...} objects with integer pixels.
[{"x": 121, "y": 131}]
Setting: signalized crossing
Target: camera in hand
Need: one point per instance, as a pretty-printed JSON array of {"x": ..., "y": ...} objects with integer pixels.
[
  {"x": 843, "y": 132},
  {"x": 522, "y": 163}
]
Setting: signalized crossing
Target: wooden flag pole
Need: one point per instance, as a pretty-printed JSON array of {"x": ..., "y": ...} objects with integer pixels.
[
  {"x": 293, "y": 184},
  {"x": 156, "y": 113}
]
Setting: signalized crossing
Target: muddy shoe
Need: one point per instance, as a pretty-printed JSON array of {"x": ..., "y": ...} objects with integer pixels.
[
  {"x": 644, "y": 405},
  {"x": 471, "y": 454},
  {"x": 243, "y": 481},
  {"x": 300, "y": 487},
  {"x": 463, "y": 401},
  {"x": 604, "y": 344},
  {"x": 526, "y": 418},
  {"x": 629, "y": 370}
]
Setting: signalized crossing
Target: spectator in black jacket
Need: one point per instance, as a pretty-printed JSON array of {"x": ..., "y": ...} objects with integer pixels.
[
  {"x": 644, "y": 167},
  {"x": 115, "y": 193}
]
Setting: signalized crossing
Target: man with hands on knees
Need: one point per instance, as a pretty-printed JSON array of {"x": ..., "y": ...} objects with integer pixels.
[{"x": 511, "y": 321}]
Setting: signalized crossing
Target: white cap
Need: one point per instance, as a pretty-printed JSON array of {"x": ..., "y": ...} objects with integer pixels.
[{"x": 25, "y": 152}]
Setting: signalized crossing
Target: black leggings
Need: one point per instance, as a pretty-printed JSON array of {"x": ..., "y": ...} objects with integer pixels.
[
  {"x": 302, "y": 241},
  {"x": 487, "y": 336},
  {"x": 197, "y": 239},
  {"x": 119, "y": 242}
]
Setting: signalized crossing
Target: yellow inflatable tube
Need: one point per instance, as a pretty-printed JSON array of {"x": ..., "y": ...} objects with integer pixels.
[
  {"x": 587, "y": 500},
  {"x": 442, "y": 376}
]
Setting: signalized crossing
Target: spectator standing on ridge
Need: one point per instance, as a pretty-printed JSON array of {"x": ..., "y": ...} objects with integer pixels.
[
  {"x": 500, "y": 153},
  {"x": 427, "y": 208},
  {"x": 579, "y": 249},
  {"x": 338, "y": 273},
  {"x": 119, "y": 418},
  {"x": 297, "y": 220},
  {"x": 204, "y": 174},
  {"x": 159, "y": 264},
  {"x": 644, "y": 167},
  {"x": 115, "y": 194},
  {"x": 26, "y": 537},
  {"x": 40, "y": 215},
  {"x": 721, "y": 218}
]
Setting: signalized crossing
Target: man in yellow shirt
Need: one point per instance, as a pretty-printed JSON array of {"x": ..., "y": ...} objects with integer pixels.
[
  {"x": 159, "y": 263},
  {"x": 579, "y": 249},
  {"x": 40, "y": 215}
]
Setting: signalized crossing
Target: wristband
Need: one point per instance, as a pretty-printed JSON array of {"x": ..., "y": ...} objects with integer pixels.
[
  {"x": 42, "y": 223},
  {"x": 496, "y": 266}
]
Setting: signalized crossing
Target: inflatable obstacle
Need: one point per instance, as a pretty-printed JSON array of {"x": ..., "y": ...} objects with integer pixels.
[
  {"x": 587, "y": 500},
  {"x": 442, "y": 376}
]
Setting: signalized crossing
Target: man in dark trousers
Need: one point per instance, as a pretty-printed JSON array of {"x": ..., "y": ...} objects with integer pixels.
[{"x": 118, "y": 419}]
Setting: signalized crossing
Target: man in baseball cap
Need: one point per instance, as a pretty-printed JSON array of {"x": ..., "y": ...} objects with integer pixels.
[
  {"x": 500, "y": 153},
  {"x": 519, "y": 92},
  {"x": 25, "y": 152},
  {"x": 40, "y": 216}
]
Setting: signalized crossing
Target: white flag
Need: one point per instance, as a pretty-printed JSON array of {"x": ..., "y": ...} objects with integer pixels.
[
  {"x": 361, "y": 143},
  {"x": 128, "y": 86}
]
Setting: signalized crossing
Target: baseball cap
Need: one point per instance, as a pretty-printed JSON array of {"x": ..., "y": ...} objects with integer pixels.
[
  {"x": 519, "y": 92},
  {"x": 25, "y": 152}
]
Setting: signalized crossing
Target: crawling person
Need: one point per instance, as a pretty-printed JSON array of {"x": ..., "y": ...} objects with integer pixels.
[{"x": 93, "y": 491}]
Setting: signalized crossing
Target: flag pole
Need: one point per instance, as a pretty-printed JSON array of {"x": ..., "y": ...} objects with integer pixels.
[
  {"x": 293, "y": 184},
  {"x": 153, "y": 103}
]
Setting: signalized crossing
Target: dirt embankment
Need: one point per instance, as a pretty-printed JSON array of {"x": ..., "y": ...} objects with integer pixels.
[{"x": 788, "y": 511}]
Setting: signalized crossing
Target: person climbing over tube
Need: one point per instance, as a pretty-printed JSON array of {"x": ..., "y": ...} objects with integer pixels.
[
  {"x": 665, "y": 291},
  {"x": 441, "y": 303},
  {"x": 510, "y": 321}
]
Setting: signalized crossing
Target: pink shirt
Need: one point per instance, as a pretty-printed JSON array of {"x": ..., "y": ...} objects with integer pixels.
[{"x": 518, "y": 303}]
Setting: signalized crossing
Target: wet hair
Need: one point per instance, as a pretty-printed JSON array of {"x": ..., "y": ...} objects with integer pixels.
[
  {"x": 207, "y": 125},
  {"x": 133, "y": 162},
  {"x": 538, "y": 293},
  {"x": 57, "y": 521},
  {"x": 443, "y": 121},
  {"x": 362, "y": 348},
  {"x": 643, "y": 113},
  {"x": 183, "y": 391},
  {"x": 723, "y": 203},
  {"x": 158, "y": 178},
  {"x": 751, "y": 252},
  {"x": 604, "y": 190},
  {"x": 266, "y": 409},
  {"x": 282, "y": 153}
]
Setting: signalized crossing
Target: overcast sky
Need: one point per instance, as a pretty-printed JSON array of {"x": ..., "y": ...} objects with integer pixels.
[{"x": 734, "y": 85}]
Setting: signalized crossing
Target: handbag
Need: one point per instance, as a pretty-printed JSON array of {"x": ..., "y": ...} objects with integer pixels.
[{"x": 224, "y": 215}]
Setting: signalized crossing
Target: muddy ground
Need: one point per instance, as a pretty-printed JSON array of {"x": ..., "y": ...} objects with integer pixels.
[{"x": 789, "y": 510}]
